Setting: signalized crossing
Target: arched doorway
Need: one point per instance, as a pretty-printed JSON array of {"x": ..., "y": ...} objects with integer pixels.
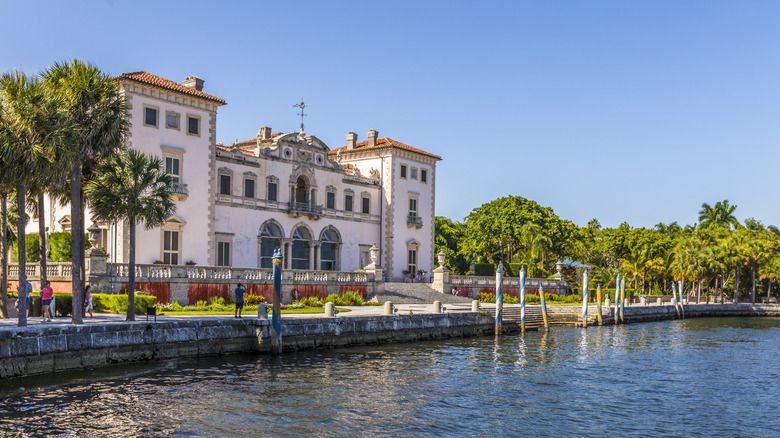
[
  {"x": 329, "y": 249},
  {"x": 300, "y": 248},
  {"x": 270, "y": 239}
]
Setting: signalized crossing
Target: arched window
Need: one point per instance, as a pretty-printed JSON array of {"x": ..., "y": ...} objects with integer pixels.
[
  {"x": 300, "y": 248},
  {"x": 329, "y": 250},
  {"x": 301, "y": 190},
  {"x": 270, "y": 239}
]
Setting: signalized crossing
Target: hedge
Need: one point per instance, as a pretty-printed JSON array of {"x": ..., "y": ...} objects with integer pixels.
[{"x": 108, "y": 303}]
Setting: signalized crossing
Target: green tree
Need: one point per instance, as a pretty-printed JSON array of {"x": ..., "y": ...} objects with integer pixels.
[
  {"x": 447, "y": 237},
  {"x": 30, "y": 119},
  {"x": 719, "y": 215},
  {"x": 135, "y": 188},
  {"x": 98, "y": 125}
]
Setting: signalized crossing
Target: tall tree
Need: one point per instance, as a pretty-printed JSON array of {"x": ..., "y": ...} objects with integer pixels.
[
  {"x": 98, "y": 122},
  {"x": 719, "y": 215},
  {"x": 31, "y": 124},
  {"x": 135, "y": 188}
]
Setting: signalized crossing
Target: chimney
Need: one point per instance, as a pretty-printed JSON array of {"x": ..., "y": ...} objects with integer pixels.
[
  {"x": 372, "y": 134},
  {"x": 193, "y": 82},
  {"x": 264, "y": 133},
  {"x": 351, "y": 140}
]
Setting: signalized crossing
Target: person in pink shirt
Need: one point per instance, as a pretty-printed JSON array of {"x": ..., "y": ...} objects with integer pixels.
[{"x": 46, "y": 296}]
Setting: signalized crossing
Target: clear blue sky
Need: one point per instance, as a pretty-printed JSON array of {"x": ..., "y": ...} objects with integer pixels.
[{"x": 618, "y": 110}]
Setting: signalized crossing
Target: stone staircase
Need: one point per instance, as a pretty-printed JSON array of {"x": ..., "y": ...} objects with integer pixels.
[
  {"x": 511, "y": 313},
  {"x": 416, "y": 293}
]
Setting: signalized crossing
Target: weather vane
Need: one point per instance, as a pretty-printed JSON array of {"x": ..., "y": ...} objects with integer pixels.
[{"x": 301, "y": 106}]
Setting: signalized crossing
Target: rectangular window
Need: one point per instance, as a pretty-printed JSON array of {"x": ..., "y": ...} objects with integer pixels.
[
  {"x": 331, "y": 200},
  {"x": 193, "y": 125},
  {"x": 172, "y": 168},
  {"x": 224, "y": 184},
  {"x": 348, "y": 202},
  {"x": 223, "y": 253},
  {"x": 171, "y": 247},
  {"x": 414, "y": 173},
  {"x": 272, "y": 191},
  {"x": 403, "y": 171},
  {"x": 412, "y": 262},
  {"x": 366, "y": 205},
  {"x": 413, "y": 207},
  {"x": 249, "y": 188},
  {"x": 172, "y": 120},
  {"x": 423, "y": 175},
  {"x": 150, "y": 116}
]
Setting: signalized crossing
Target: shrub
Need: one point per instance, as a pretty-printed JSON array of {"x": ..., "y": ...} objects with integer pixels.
[
  {"x": 217, "y": 301},
  {"x": 309, "y": 302},
  {"x": 33, "y": 249},
  {"x": 201, "y": 305},
  {"x": 353, "y": 298},
  {"x": 109, "y": 303},
  {"x": 253, "y": 300},
  {"x": 60, "y": 247},
  {"x": 170, "y": 307}
]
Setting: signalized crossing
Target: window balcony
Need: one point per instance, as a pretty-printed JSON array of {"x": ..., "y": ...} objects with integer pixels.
[
  {"x": 307, "y": 208},
  {"x": 414, "y": 221},
  {"x": 180, "y": 190}
]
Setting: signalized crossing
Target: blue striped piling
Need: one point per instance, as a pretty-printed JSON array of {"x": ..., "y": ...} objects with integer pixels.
[
  {"x": 276, "y": 321},
  {"x": 585, "y": 298},
  {"x": 522, "y": 300},
  {"x": 544, "y": 307},
  {"x": 622, "y": 297},
  {"x": 598, "y": 303},
  {"x": 617, "y": 298},
  {"x": 499, "y": 295}
]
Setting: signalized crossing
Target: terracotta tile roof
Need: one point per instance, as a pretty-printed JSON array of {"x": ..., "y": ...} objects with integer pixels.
[
  {"x": 383, "y": 142},
  {"x": 150, "y": 79}
]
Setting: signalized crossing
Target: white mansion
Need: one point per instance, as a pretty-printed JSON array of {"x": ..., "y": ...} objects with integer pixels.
[{"x": 235, "y": 204}]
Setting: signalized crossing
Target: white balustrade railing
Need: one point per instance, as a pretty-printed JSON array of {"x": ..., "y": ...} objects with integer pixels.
[
  {"x": 119, "y": 271},
  {"x": 33, "y": 270}
]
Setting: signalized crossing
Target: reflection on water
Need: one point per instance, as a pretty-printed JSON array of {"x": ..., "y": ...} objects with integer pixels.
[{"x": 699, "y": 377}]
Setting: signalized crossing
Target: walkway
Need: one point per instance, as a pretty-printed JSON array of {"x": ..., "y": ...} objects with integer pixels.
[{"x": 355, "y": 311}]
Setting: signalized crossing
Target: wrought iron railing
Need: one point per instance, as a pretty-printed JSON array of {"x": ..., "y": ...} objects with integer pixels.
[{"x": 305, "y": 207}]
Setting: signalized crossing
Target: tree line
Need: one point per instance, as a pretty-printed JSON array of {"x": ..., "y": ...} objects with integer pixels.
[
  {"x": 63, "y": 133},
  {"x": 716, "y": 257}
]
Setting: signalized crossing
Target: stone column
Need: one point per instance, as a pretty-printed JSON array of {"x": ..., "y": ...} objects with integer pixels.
[{"x": 311, "y": 256}]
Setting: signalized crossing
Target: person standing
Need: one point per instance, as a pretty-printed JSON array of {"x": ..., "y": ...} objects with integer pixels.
[
  {"x": 88, "y": 301},
  {"x": 46, "y": 297},
  {"x": 238, "y": 294}
]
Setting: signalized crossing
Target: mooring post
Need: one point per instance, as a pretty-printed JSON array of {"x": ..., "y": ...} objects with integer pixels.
[
  {"x": 276, "y": 321},
  {"x": 674, "y": 299},
  {"x": 598, "y": 303},
  {"x": 499, "y": 296},
  {"x": 617, "y": 299},
  {"x": 585, "y": 299},
  {"x": 622, "y": 297},
  {"x": 544, "y": 307},
  {"x": 522, "y": 300},
  {"x": 682, "y": 308}
]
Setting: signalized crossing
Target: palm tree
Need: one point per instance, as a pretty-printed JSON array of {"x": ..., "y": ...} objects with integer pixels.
[
  {"x": 96, "y": 112},
  {"x": 637, "y": 264},
  {"x": 721, "y": 215},
  {"x": 29, "y": 119},
  {"x": 135, "y": 188},
  {"x": 664, "y": 264}
]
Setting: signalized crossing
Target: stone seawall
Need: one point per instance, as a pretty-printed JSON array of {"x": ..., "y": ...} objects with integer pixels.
[
  {"x": 572, "y": 315},
  {"x": 39, "y": 350}
]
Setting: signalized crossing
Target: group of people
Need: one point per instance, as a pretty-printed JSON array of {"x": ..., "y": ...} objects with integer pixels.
[
  {"x": 47, "y": 300},
  {"x": 417, "y": 277}
]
